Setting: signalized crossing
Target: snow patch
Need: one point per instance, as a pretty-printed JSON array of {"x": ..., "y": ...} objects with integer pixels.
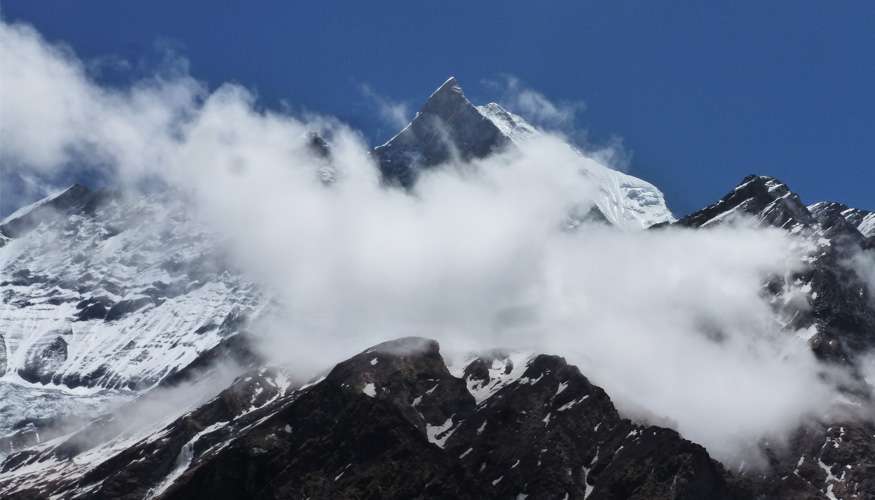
[{"x": 438, "y": 434}]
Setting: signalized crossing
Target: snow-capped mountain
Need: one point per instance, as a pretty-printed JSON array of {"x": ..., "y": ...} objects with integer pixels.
[
  {"x": 117, "y": 294},
  {"x": 108, "y": 301},
  {"x": 104, "y": 297},
  {"x": 449, "y": 126}
]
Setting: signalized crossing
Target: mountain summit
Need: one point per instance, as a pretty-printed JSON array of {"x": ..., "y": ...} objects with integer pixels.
[{"x": 449, "y": 127}]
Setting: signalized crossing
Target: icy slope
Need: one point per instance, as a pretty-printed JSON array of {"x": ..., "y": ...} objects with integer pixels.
[
  {"x": 626, "y": 201},
  {"x": 117, "y": 298}
]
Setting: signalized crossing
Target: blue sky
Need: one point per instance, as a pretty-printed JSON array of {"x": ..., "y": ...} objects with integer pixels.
[{"x": 701, "y": 94}]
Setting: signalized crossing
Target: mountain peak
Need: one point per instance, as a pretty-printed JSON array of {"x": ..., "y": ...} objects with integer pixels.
[
  {"x": 765, "y": 198},
  {"x": 447, "y": 100},
  {"x": 447, "y": 127},
  {"x": 449, "y": 86}
]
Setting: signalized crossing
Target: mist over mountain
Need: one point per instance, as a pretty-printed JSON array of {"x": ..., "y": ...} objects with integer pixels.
[{"x": 262, "y": 305}]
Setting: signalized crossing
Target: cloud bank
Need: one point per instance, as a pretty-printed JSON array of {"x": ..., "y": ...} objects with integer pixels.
[{"x": 674, "y": 323}]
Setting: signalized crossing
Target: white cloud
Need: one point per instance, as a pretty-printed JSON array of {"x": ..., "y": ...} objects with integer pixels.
[
  {"x": 863, "y": 263},
  {"x": 559, "y": 118},
  {"x": 394, "y": 113},
  {"x": 534, "y": 105},
  {"x": 53, "y": 113},
  {"x": 673, "y": 323}
]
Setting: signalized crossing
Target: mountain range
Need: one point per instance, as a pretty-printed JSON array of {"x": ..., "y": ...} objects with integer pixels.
[{"x": 128, "y": 369}]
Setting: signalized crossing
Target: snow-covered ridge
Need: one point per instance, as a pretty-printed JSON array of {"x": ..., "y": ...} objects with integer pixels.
[
  {"x": 626, "y": 201},
  {"x": 510, "y": 124},
  {"x": 33, "y": 206},
  {"x": 118, "y": 299}
]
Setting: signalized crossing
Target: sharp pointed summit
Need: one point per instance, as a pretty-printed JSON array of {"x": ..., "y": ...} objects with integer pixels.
[
  {"x": 451, "y": 85},
  {"x": 447, "y": 99},
  {"x": 448, "y": 126}
]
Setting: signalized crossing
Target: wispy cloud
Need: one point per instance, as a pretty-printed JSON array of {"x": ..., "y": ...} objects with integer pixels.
[
  {"x": 395, "y": 113},
  {"x": 863, "y": 263},
  {"x": 535, "y": 106},
  {"x": 558, "y": 117}
]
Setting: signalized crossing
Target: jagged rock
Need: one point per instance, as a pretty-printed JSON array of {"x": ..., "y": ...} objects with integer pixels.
[
  {"x": 834, "y": 460},
  {"x": 123, "y": 307},
  {"x": 765, "y": 198},
  {"x": 551, "y": 433},
  {"x": 93, "y": 308},
  {"x": 2, "y": 355},
  {"x": 448, "y": 126},
  {"x": 838, "y": 221},
  {"x": 44, "y": 357},
  {"x": 862, "y": 220},
  {"x": 392, "y": 422},
  {"x": 236, "y": 349}
]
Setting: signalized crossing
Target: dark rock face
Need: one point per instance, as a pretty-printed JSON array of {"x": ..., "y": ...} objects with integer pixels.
[
  {"x": 2, "y": 355},
  {"x": 766, "y": 198},
  {"x": 859, "y": 219},
  {"x": 93, "y": 308},
  {"x": 236, "y": 348},
  {"x": 838, "y": 458},
  {"x": 841, "y": 305},
  {"x": 44, "y": 357},
  {"x": 127, "y": 306},
  {"x": 392, "y": 422},
  {"x": 552, "y": 433},
  {"x": 447, "y": 126}
]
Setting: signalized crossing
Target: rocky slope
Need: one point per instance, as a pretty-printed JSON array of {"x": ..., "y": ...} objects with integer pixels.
[
  {"x": 863, "y": 220},
  {"x": 102, "y": 297},
  {"x": 391, "y": 422}
]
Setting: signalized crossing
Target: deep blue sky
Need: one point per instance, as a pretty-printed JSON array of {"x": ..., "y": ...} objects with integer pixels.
[{"x": 701, "y": 94}]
